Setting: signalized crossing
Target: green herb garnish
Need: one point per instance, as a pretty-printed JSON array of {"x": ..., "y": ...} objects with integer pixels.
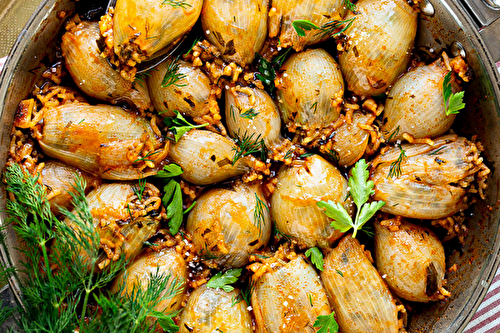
[
  {"x": 258, "y": 213},
  {"x": 349, "y": 5},
  {"x": 247, "y": 144},
  {"x": 327, "y": 323},
  {"x": 169, "y": 171},
  {"x": 172, "y": 75},
  {"x": 179, "y": 125},
  {"x": 249, "y": 114},
  {"x": 223, "y": 280},
  {"x": 316, "y": 257},
  {"x": 395, "y": 167},
  {"x": 139, "y": 188},
  {"x": 453, "y": 102},
  {"x": 176, "y": 3},
  {"x": 339, "y": 272},
  {"x": 301, "y": 26},
  {"x": 331, "y": 28},
  {"x": 360, "y": 190}
]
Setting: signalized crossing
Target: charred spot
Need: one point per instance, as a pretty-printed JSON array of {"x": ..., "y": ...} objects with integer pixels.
[
  {"x": 219, "y": 38},
  {"x": 418, "y": 179},
  {"x": 253, "y": 243},
  {"x": 213, "y": 158},
  {"x": 327, "y": 16},
  {"x": 356, "y": 52},
  {"x": 188, "y": 328},
  {"x": 230, "y": 50},
  {"x": 189, "y": 101},
  {"x": 165, "y": 104},
  {"x": 412, "y": 96},
  {"x": 206, "y": 232},
  {"x": 439, "y": 161}
]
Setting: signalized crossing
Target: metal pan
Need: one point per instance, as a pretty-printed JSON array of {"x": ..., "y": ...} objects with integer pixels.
[{"x": 451, "y": 22}]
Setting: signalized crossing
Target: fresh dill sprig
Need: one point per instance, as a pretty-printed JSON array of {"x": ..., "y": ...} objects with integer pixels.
[
  {"x": 335, "y": 27},
  {"x": 249, "y": 114},
  {"x": 349, "y": 5},
  {"x": 339, "y": 272},
  {"x": 314, "y": 107},
  {"x": 246, "y": 293},
  {"x": 172, "y": 75},
  {"x": 139, "y": 188},
  {"x": 176, "y": 3},
  {"x": 394, "y": 134},
  {"x": 395, "y": 167},
  {"x": 140, "y": 78},
  {"x": 259, "y": 211},
  {"x": 193, "y": 45},
  {"x": 146, "y": 158},
  {"x": 266, "y": 73},
  {"x": 246, "y": 144},
  {"x": 437, "y": 151}
]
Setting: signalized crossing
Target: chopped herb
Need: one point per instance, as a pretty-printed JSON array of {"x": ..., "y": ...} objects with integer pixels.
[
  {"x": 453, "y": 102},
  {"x": 179, "y": 125},
  {"x": 281, "y": 58},
  {"x": 339, "y": 272},
  {"x": 394, "y": 134},
  {"x": 172, "y": 200},
  {"x": 246, "y": 293},
  {"x": 349, "y": 5},
  {"x": 231, "y": 109},
  {"x": 301, "y": 26},
  {"x": 172, "y": 75},
  {"x": 316, "y": 257},
  {"x": 310, "y": 300},
  {"x": 259, "y": 256},
  {"x": 169, "y": 171},
  {"x": 315, "y": 107},
  {"x": 279, "y": 235},
  {"x": 81, "y": 121},
  {"x": 327, "y": 323},
  {"x": 189, "y": 208},
  {"x": 258, "y": 213},
  {"x": 395, "y": 168},
  {"x": 438, "y": 151},
  {"x": 360, "y": 189},
  {"x": 146, "y": 158},
  {"x": 333, "y": 155},
  {"x": 249, "y": 114},
  {"x": 246, "y": 145},
  {"x": 141, "y": 78},
  {"x": 288, "y": 154},
  {"x": 139, "y": 188},
  {"x": 223, "y": 280},
  {"x": 266, "y": 74},
  {"x": 176, "y": 3},
  {"x": 192, "y": 45}
]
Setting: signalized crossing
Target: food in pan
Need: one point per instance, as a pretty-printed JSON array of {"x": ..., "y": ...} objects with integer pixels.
[{"x": 235, "y": 186}]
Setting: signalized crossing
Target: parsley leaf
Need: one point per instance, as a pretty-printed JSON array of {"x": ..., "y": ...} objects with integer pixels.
[
  {"x": 223, "y": 281},
  {"x": 316, "y": 257},
  {"x": 453, "y": 102},
  {"x": 169, "y": 171},
  {"x": 179, "y": 125},
  {"x": 172, "y": 200},
  {"x": 360, "y": 190},
  {"x": 301, "y": 26},
  {"x": 327, "y": 323}
]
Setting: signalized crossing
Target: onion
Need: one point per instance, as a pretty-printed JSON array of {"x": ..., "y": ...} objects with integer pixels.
[
  {"x": 253, "y": 111},
  {"x": 310, "y": 90},
  {"x": 93, "y": 74},
  {"x": 433, "y": 179},
  {"x": 380, "y": 43},
  {"x": 214, "y": 310},
  {"x": 167, "y": 263},
  {"x": 293, "y": 203},
  {"x": 412, "y": 259},
  {"x": 237, "y": 28},
  {"x": 284, "y": 12},
  {"x": 59, "y": 179},
  {"x": 359, "y": 296},
  {"x": 415, "y": 104},
  {"x": 206, "y": 157},
  {"x": 227, "y": 225},
  {"x": 142, "y": 28},
  {"x": 103, "y": 140},
  {"x": 289, "y": 298}
]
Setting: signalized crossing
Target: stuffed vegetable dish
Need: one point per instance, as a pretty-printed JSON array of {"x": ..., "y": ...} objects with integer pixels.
[{"x": 290, "y": 166}]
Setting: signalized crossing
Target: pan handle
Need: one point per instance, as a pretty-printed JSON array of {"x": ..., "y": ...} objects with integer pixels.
[{"x": 486, "y": 15}]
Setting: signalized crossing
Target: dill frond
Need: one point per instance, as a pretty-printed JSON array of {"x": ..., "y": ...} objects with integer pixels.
[
  {"x": 395, "y": 168},
  {"x": 176, "y": 3},
  {"x": 172, "y": 75},
  {"x": 249, "y": 114},
  {"x": 139, "y": 188},
  {"x": 394, "y": 133},
  {"x": 258, "y": 213},
  {"x": 246, "y": 145},
  {"x": 335, "y": 27}
]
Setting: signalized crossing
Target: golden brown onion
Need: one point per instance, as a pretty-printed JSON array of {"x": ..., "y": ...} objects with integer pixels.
[
  {"x": 289, "y": 298},
  {"x": 142, "y": 28},
  {"x": 310, "y": 90},
  {"x": 206, "y": 157},
  {"x": 415, "y": 104},
  {"x": 253, "y": 111},
  {"x": 167, "y": 263},
  {"x": 411, "y": 259},
  {"x": 380, "y": 44},
  {"x": 433, "y": 179},
  {"x": 93, "y": 74},
  {"x": 230, "y": 224},
  {"x": 214, "y": 310},
  {"x": 103, "y": 140},
  {"x": 359, "y": 296},
  {"x": 237, "y": 28},
  {"x": 59, "y": 179},
  {"x": 293, "y": 203},
  {"x": 350, "y": 140},
  {"x": 284, "y": 12}
]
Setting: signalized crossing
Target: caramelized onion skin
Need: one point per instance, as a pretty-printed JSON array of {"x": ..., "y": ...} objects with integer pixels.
[
  {"x": 359, "y": 296},
  {"x": 289, "y": 299},
  {"x": 415, "y": 104},
  {"x": 93, "y": 74},
  {"x": 380, "y": 43},
  {"x": 237, "y": 28},
  {"x": 433, "y": 179},
  {"x": 214, "y": 310},
  {"x": 412, "y": 259},
  {"x": 293, "y": 203},
  {"x": 230, "y": 224}
]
